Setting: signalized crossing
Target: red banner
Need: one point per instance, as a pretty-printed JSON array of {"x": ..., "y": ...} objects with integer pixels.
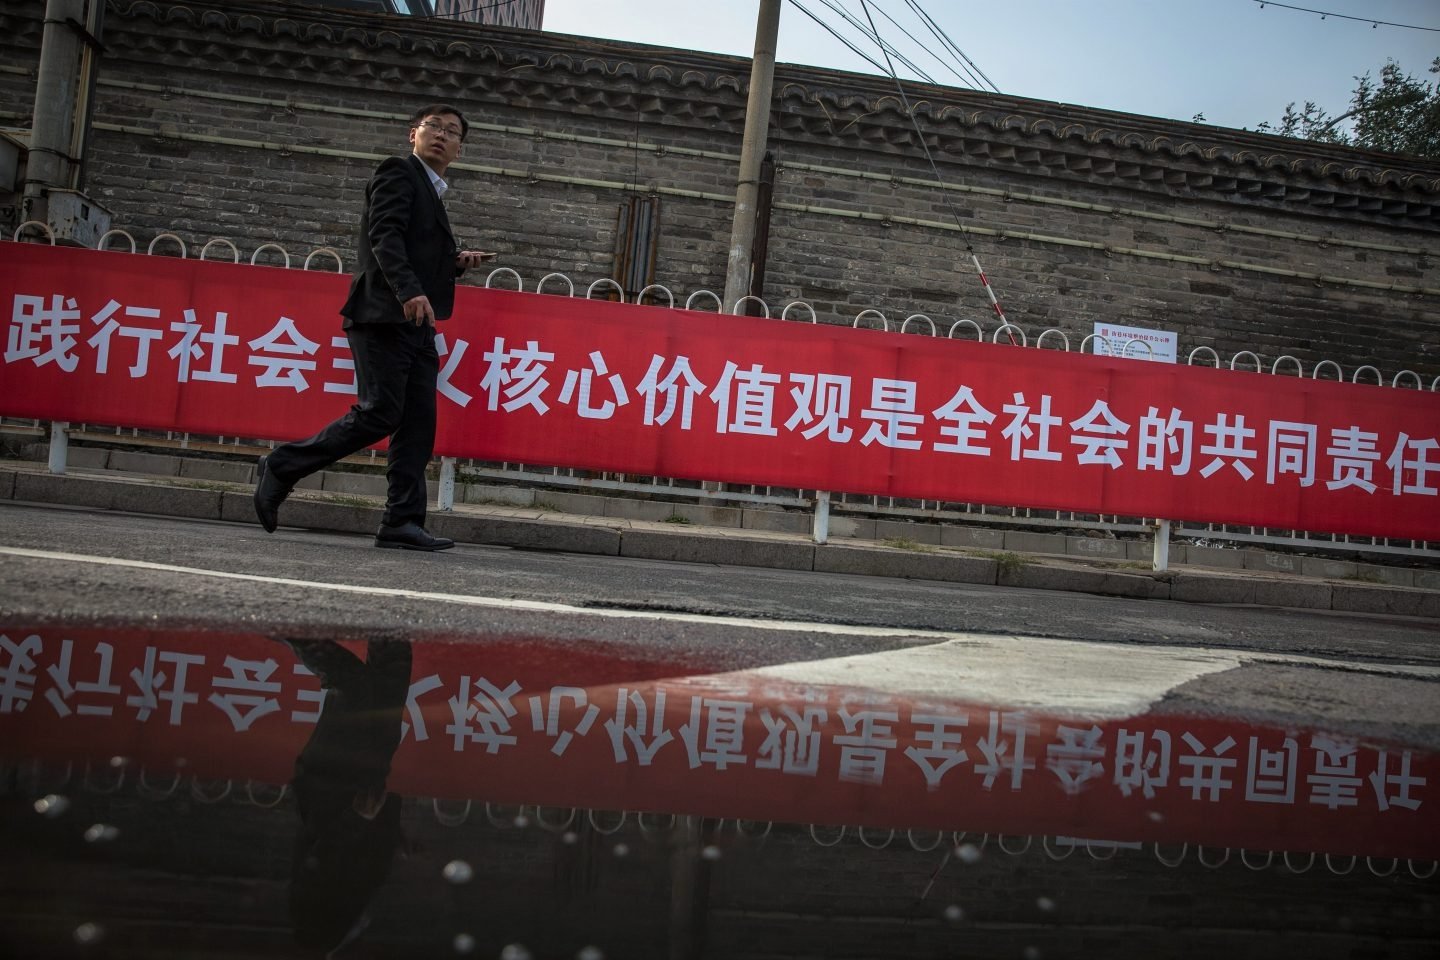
[
  {"x": 258, "y": 352},
  {"x": 508, "y": 723}
]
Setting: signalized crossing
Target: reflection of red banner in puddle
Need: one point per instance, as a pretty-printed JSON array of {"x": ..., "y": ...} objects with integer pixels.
[
  {"x": 499, "y": 722},
  {"x": 252, "y": 351}
]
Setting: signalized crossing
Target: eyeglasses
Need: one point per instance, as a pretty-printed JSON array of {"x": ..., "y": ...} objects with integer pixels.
[{"x": 435, "y": 126}]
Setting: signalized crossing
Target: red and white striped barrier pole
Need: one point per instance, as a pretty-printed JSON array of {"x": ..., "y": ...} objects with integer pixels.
[{"x": 989, "y": 292}]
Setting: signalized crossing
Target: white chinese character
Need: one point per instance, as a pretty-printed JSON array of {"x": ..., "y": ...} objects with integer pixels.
[
  {"x": 862, "y": 754},
  {"x": 1335, "y": 783},
  {"x": 587, "y": 409},
  {"x": 653, "y": 386},
  {"x": 155, "y": 686},
  {"x": 64, "y": 691},
  {"x": 941, "y": 750},
  {"x": 1134, "y": 767},
  {"x": 43, "y": 334},
  {"x": 1018, "y": 429},
  {"x": 189, "y": 350},
  {"x": 1229, "y": 442},
  {"x": 414, "y": 711},
  {"x": 724, "y": 727},
  {"x": 1270, "y": 774},
  {"x": 822, "y": 400},
  {"x": 1207, "y": 773},
  {"x": 1075, "y": 760},
  {"x": 958, "y": 418},
  {"x": 346, "y": 361},
  {"x": 109, "y": 326},
  {"x": 1004, "y": 749},
  {"x": 892, "y": 407},
  {"x": 548, "y": 721},
  {"x": 1382, "y": 780},
  {"x": 1422, "y": 466},
  {"x": 314, "y": 698},
  {"x": 17, "y": 674},
  {"x": 519, "y": 375},
  {"x": 792, "y": 740},
  {"x": 1099, "y": 432},
  {"x": 754, "y": 400},
  {"x": 621, "y": 730},
  {"x": 1354, "y": 453},
  {"x": 255, "y": 693},
  {"x": 445, "y": 384},
  {"x": 279, "y": 351},
  {"x": 1292, "y": 450},
  {"x": 480, "y": 713},
  {"x": 1165, "y": 436}
]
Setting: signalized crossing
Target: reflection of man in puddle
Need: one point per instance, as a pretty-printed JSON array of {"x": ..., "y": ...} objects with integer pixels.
[{"x": 350, "y": 824}]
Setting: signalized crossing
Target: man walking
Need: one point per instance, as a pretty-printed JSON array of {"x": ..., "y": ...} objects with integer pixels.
[{"x": 403, "y": 284}]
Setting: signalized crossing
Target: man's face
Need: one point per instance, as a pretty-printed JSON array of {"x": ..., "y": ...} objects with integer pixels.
[{"x": 436, "y": 140}]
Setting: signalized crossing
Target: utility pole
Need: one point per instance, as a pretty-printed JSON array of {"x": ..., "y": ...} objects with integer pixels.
[
  {"x": 50, "y": 163},
  {"x": 752, "y": 153}
]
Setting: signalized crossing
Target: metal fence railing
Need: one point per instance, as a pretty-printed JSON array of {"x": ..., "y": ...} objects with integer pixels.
[{"x": 819, "y": 503}]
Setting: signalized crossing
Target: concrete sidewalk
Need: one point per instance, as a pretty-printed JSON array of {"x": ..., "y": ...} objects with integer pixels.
[{"x": 348, "y": 502}]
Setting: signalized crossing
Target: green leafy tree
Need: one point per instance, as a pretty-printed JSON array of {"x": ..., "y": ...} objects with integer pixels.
[{"x": 1399, "y": 114}]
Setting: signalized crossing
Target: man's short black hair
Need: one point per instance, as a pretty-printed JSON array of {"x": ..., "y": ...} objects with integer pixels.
[{"x": 440, "y": 109}]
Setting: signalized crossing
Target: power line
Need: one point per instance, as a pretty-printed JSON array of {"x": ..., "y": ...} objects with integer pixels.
[
  {"x": 944, "y": 38},
  {"x": 473, "y": 8},
  {"x": 935, "y": 169},
  {"x": 1345, "y": 16},
  {"x": 971, "y": 80},
  {"x": 972, "y": 76},
  {"x": 831, "y": 30},
  {"x": 919, "y": 134},
  {"x": 889, "y": 49}
]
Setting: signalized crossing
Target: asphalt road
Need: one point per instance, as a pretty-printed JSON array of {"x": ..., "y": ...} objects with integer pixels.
[
  {"x": 58, "y": 588},
  {"x": 1102, "y": 657},
  {"x": 1373, "y": 675}
]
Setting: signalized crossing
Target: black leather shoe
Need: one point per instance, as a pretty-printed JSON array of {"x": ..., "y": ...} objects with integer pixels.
[
  {"x": 410, "y": 536},
  {"x": 269, "y": 494}
]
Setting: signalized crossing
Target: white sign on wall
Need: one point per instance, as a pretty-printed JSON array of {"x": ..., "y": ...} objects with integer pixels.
[{"x": 1163, "y": 343}]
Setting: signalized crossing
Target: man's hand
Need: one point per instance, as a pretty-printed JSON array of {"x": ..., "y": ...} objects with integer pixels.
[
  {"x": 466, "y": 259},
  {"x": 419, "y": 311}
]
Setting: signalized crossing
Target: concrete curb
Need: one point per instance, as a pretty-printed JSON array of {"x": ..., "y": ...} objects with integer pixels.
[
  {"x": 865, "y": 561},
  {"x": 524, "y": 534},
  {"x": 1105, "y": 582},
  {"x": 1405, "y": 603},
  {"x": 127, "y": 496},
  {"x": 1261, "y": 585},
  {"x": 727, "y": 550}
]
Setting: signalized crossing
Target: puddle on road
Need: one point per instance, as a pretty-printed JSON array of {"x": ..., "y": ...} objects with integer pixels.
[{"x": 174, "y": 794}]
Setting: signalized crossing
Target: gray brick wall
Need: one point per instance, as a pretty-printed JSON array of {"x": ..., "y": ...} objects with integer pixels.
[{"x": 260, "y": 122}]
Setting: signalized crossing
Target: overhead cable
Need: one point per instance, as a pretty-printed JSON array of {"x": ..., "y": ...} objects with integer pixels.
[
  {"x": 1345, "y": 16},
  {"x": 935, "y": 169},
  {"x": 831, "y": 30},
  {"x": 473, "y": 8},
  {"x": 970, "y": 78},
  {"x": 874, "y": 38},
  {"x": 944, "y": 38}
]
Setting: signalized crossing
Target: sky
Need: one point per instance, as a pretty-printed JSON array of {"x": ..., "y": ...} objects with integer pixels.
[{"x": 1237, "y": 62}]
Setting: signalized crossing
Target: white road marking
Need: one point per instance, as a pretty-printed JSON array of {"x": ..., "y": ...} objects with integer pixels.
[
  {"x": 1097, "y": 679},
  {"x": 504, "y": 603},
  {"x": 1094, "y": 680}
]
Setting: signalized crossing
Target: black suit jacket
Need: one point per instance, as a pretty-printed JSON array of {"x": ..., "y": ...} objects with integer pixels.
[{"x": 406, "y": 247}]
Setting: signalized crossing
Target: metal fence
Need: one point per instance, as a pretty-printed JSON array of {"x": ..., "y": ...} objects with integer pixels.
[
  {"x": 54, "y": 784},
  {"x": 819, "y": 503}
]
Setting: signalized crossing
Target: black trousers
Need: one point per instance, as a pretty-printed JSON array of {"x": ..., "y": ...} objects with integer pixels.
[{"x": 396, "y": 369}]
